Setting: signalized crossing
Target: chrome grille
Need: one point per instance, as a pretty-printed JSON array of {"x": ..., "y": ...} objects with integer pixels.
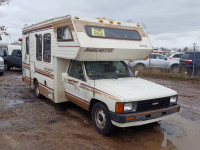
[{"x": 153, "y": 104}]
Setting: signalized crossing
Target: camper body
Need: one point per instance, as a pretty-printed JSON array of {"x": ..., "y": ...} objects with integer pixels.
[{"x": 81, "y": 60}]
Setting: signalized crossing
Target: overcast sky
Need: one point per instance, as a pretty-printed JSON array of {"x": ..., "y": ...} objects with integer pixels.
[{"x": 171, "y": 23}]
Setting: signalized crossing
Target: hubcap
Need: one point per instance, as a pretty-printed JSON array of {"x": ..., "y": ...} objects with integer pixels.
[{"x": 100, "y": 118}]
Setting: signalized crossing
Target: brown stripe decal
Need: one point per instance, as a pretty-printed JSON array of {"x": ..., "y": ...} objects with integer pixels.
[
  {"x": 99, "y": 92},
  {"x": 25, "y": 65},
  {"x": 77, "y": 100},
  {"x": 42, "y": 72},
  {"x": 37, "y": 29},
  {"x": 26, "y": 80},
  {"x": 46, "y": 86}
]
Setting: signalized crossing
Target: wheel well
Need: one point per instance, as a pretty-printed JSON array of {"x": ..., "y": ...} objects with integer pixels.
[
  {"x": 174, "y": 65},
  {"x": 34, "y": 80},
  {"x": 140, "y": 64},
  {"x": 92, "y": 102}
]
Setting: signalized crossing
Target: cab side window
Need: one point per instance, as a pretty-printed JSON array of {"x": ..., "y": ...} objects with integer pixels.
[
  {"x": 152, "y": 56},
  {"x": 160, "y": 57},
  {"x": 76, "y": 70}
]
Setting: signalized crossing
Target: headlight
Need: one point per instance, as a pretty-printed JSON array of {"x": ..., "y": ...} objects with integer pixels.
[
  {"x": 130, "y": 107},
  {"x": 173, "y": 100}
]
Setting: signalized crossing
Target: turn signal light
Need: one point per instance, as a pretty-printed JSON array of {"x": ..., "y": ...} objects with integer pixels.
[
  {"x": 119, "y": 23},
  {"x": 101, "y": 21},
  {"x": 175, "y": 109},
  {"x": 111, "y": 22},
  {"x": 119, "y": 108},
  {"x": 130, "y": 118}
]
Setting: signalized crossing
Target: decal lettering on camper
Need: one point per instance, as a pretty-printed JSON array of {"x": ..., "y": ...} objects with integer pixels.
[
  {"x": 99, "y": 50},
  {"x": 98, "y": 32}
]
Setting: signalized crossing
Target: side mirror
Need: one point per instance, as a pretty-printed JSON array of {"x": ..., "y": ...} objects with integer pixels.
[
  {"x": 64, "y": 76},
  {"x": 136, "y": 74}
]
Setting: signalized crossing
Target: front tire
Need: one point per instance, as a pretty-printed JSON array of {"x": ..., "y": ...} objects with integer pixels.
[
  {"x": 7, "y": 67},
  {"x": 1, "y": 73},
  {"x": 174, "y": 69},
  {"x": 101, "y": 118},
  {"x": 37, "y": 90},
  {"x": 140, "y": 67}
]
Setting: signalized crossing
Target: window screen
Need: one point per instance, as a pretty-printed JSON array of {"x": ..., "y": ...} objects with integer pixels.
[
  {"x": 113, "y": 33},
  {"x": 39, "y": 47},
  {"x": 27, "y": 45},
  {"x": 64, "y": 34},
  {"x": 47, "y": 48}
]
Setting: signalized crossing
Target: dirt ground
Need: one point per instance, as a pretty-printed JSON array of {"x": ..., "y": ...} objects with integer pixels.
[{"x": 30, "y": 123}]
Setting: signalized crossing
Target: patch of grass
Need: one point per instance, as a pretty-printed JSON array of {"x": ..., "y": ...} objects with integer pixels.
[{"x": 166, "y": 74}]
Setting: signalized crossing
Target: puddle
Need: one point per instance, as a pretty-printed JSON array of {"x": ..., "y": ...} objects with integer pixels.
[
  {"x": 15, "y": 102},
  {"x": 183, "y": 133},
  {"x": 4, "y": 124}
]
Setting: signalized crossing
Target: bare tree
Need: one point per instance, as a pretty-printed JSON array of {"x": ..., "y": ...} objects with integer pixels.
[
  {"x": 4, "y": 2},
  {"x": 3, "y": 28}
]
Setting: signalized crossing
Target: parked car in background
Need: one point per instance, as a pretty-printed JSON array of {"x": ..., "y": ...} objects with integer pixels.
[
  {"x": 13, "y": 60},
  {"x": 156, "y": 61},
  {"x": 175, "y": 56},
  {"x": 1, "y": 66},
  {"x": 187, "y": 61}
]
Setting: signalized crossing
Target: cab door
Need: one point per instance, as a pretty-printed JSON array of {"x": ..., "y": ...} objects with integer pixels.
[
  {"x": 161, "y": 61},
  {"x": 73, "y": 82}
]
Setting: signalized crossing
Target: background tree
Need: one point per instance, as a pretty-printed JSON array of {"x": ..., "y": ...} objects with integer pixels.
[
  {"x": 3, "y": 28},
  {"x": 4, "y": 2}
]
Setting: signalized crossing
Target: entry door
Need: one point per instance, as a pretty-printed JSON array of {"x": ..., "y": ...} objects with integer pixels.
[
  {"x": 73, "y": 84},
  {"x": 27, "y": 59}
]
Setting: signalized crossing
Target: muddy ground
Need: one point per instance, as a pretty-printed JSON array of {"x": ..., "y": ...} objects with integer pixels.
[{"x": 30, "y": 123}]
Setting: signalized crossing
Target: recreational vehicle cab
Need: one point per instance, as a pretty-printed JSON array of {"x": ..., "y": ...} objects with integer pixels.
[{"x": 82, "y": 61}]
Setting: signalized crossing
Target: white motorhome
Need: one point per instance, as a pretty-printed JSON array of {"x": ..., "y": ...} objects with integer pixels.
[{"x": 82, "y": 61}]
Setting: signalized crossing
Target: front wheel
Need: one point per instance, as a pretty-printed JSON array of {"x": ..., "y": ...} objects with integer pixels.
[
  {"x": 101, "y": 118},
  {"x": 7, "y": 67},
  {"x": 174, "y": 69}
]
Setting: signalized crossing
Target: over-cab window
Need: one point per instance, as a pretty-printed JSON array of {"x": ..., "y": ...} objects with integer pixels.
[
  {"x": 47, "y": 48},
  {"x": 113, "y": 33},
  {"x": 76, "y": 70},
  {"x": 39, "y": 47},
  {"x": 64, "y": 34},
  {"x": 27, "y": 45}
]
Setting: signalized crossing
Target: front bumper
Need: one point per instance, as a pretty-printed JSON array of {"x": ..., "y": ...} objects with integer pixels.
[
  {"x": 138, "y": 118},
  {"x": 2, "y": 69}
]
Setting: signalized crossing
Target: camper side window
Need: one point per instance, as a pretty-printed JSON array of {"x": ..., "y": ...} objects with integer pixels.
[
  {"x": 47, "y": 48},
  {"x": 39, "y": 47},
  {"x": 64, "y": 34},
  {"x": 27, "y": 45}
]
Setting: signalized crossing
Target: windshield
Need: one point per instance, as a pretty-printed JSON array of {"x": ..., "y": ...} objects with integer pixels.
[
  {"x": 107, "y": 69},
  {"x": 103, "y": 32}
]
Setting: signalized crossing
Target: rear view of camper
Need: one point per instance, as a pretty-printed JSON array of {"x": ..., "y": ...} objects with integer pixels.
[{"x": 82, "y": 61}]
